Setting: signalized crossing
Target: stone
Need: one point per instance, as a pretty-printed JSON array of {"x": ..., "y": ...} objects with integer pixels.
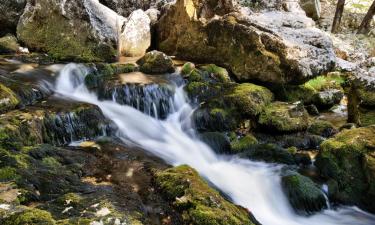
[
  {"x": 303, "y": 194},
  {"x": 274, "y": 45},
  {"x": 322, "y": 128},
  {"x": 218, "y": 142},
  {"x": 270, "y": 153},
  {"x": 284, "y": 117},
  {"x": 328, "y": 98},
  {"x": 9, "y": 45},
  {"x": 348, "y": 160},
  {"x": 70, "y": 30},
  {"x": 312, "y": 8},
  {"x": 155, "y": 62},
  {"x": 135, "y": 39},
  {"x": 10, "y": 13}
]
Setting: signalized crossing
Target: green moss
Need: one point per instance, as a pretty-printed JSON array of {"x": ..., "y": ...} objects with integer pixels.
[
  {"x": 196, "y": 201},
  {"x": 195, "y": 88},
  {"x": 8, "y": 99},
  {"x": 367, "y": 97},
  {"x": 220, "y": 73},
  {"x": 322, "y": 128},
  {"x": 249, "y": 99},
  {"x": 341, "y": 159},
  {"x": 51, "y": 162},
  {"x": 8, "y": 174},
  {"x": 30, "y": 216},
  {"x": 243, "y": 143},
  {"x": 70, "y": 199},
  {"x": 187, "y": 68},
  {"x": 284, "y": 117},
  {"x": 367, "y": 116},
  {"x": 8, "y": 44}
]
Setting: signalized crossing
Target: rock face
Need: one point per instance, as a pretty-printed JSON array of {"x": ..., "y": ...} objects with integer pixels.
[
  {"x": 10, "y": 12},
  {"x": 155, "y": 62},
  {"x": 136, "y": 37},
  {"x": 69, "y": 30},
  {"x": 312, "y": 8},
  {"x": 347, "y": 160},
  {"x": 126, "y": 7},
  {"x": 271, "y": 46}
]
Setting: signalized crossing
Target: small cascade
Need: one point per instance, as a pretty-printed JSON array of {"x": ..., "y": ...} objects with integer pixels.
[
  {"x": 325, "y": 191},
  {"x": 155, "y": 100}
]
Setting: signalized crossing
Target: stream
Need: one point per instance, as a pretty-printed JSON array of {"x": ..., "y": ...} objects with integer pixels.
[{"x": 254, "y": 185}]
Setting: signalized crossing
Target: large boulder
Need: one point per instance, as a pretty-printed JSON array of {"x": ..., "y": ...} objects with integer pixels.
[
  {"x": 10, "y": 12},
  {"x": 347, "y": 160},
  {"x": 70, "y": 30},
  {"x": 278, "y": 44}
]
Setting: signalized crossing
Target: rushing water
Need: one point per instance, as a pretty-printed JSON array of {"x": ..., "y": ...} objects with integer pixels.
[{"x": 254, "y": 185}]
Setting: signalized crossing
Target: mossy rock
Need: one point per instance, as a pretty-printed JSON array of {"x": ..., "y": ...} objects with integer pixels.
[
  {"x": 249, "y": 99},
  {"x": 215, "y": 119},
  {"x": 8, "y": 99},
  {"x": 30, "y": 216},
  {"x": 8, "y": 44},
  {"x": 197, "y": 201},
  {"x": 303, "y": 194},
  {"x": 218, "y": 72},
  {"x": 270, "y": 153},
  {"x": 187, "y": 68},
  {"x": 218, "y": 142},
  {"x": 243, "y": 143},
  {"x": 322, "y": 128},
  {"x": 347, "y": 159},
  {"x": 284, "y": 118},
  {"x": 156, "y": 62}
]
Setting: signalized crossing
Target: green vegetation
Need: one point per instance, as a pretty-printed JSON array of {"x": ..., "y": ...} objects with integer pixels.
[
  {"x": 30, "y": 216},
  {"x": 243, "y": 143}
]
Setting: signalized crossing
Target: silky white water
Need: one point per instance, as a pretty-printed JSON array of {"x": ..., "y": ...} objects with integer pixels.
[{"x": 254, "y": 185}]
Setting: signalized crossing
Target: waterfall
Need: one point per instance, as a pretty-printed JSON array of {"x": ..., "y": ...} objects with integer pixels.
[{"x": 254, "y": 185}]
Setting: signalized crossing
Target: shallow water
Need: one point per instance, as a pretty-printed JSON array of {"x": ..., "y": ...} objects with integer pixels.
[{"x": 254, "y": 185}]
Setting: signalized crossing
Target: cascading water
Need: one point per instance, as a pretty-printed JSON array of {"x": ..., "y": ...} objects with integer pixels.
[{"x": 254, "y": 185}]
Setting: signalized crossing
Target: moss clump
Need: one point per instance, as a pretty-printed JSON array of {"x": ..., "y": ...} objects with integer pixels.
[
  {"x": 303, "y": 194},
  {"x": 249, "y": 99},
  {"x": 220, "y": 73},
  {"x": 243, "y": 143},
  {"x": 322, "y": 128},
  {"x": 8, "y": 174},
  {"x": 342, "y": 159},
  {"x": 8, "y": 44},
  {"x": 197, "y": 202},
  {"x": 156, "y": 62},
  {"x": 8, "y": 99},
  {"x": 283, "y": 117},
  {"x": 30, "y": 216},
  {"x": 187, "y": 68}
]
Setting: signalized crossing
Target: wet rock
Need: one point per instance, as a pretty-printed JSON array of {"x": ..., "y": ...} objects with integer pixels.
[
  {"x": 303, "y": 194},
  {"x": 9, "y": 45},
  {"x": 283, "y": 117},
  {"x": 243, "y": 143},
  {"x": 300, "y": 140},
  {"x": 269, "y": 153},
  {"x": 327, "y": 99},
  {"x": 312, "y": 110},
  {"x": 219, "y": 142},
  {"x": 71, "y": 30},
  {"x": 8, "y": 99},
  {"x": 312, "y": 8},
  {"x": 136, "y": 36},
  {"x": 156, "y": 62},
  {"x": 191, "y": 196},
  {"x": 215, "y": 119},
  {"x": 10, "y": 13},
  {"x": 348, "y": 159},
  {"x": 188, "y": 26},
  {"x": 322, "y": 128}
]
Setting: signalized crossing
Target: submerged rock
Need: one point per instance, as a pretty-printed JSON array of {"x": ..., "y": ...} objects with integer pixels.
[
  {"x": 303, "y": 194},
  {"x": 269, "y": 46},
  {"x": 156, "y": 62},
  {"x": 191, "y": 196},
  {"x": 348, "y": 160}
]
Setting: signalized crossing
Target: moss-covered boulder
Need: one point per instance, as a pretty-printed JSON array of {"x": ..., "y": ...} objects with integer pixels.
[
  {"x": 303, "y": 194},
  {"x": 243, "y": 143},
  {"x": 8, "y": 99},
  {"x": 348, "y": 160},
  {"x": 156, "y": 62},
  {"x": 66, "y": 31},
  {"x": 9, "y": 44},
  {"x": 322, "y": 128},
  {"x": 218, "y": 142},
  {"x": 284, "y": 117},
  {"x": 30, "y": 216},
  {"x": 199, "y": 204},
  {"x": 268, "y": 153},
  {"x": 322, "y": 91},
  {"x": 218, "y": 72}
]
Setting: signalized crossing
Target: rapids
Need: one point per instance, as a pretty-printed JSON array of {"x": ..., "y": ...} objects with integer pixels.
[{"x": 254, "y": 185}]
